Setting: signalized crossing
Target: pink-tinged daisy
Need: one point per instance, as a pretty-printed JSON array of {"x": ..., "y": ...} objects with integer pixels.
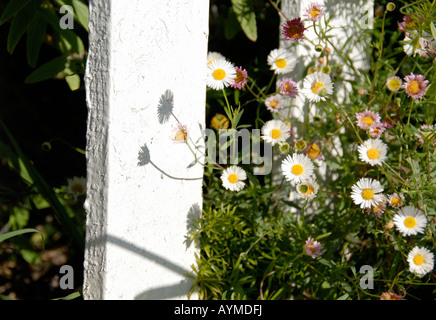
[
  {"x": 293, "y": 29},
  {"x": 378, "y": 209},
  {"x": 312, "y": 248},
  {"x": 274, "y": 103},
  {"x": 314, "y": 12},
  {"x": 428, "y": 132},
  {"x": 415, "y": 85},
  {"x": 240, "y": 79},
  {"x": 288, "y": 87},
  {"x": 394, "y": 83},
  {"x": 377, "y": 129},
  {"x": 390, "y": 296},
  {"x": 409, "y": 22},
  {"x": 367, "y": 118},
  {"x": 180, "y": 133}
]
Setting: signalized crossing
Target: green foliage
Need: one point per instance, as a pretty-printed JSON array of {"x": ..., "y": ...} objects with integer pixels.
[
  {"x": 252, "y": 241},
  {"x": 40, "y": 21}
]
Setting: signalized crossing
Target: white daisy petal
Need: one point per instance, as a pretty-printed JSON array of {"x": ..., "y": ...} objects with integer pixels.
[
  {"x": 367, "y": 193},
  {"x": 232, "y": 178},
  {"x": 220, "y": 74},
  {"x": 308, "y": 188},
  {"x": 373, "y": 151},
  {"x": 275, "y": 131},
  {"x": 316, "y": 86},
  {"x": 421, "y": 260},
  {"x": 281, "y": 61},
  {"x": 297, "y": 168},
  {"x": 410, "y": 221}
]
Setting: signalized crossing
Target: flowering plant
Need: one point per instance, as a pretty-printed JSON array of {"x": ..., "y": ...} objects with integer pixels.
[{"x": 353, "y": 179}]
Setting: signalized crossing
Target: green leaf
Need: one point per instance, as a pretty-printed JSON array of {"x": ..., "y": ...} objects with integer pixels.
[
  {"x": 73, "y": 40},
  {"x": 35, "y": 36},
  {"x": 71, "y": 296},
  {"x": 15, "y": 233},
  {"x": 231, "y": 26},
  {"x": 246, "y": 17},
  {"x": 19, "y": 25},
  {"x": 433, "y": 30},
  {"x": 30, "y": 256},
  {"x": 47, "y": 71},
  {"x": 13, "y": 7}
]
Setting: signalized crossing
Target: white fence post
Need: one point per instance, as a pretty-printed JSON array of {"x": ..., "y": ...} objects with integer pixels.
[
  {"x": 346, "y": 38},
  {"x": 144, "y": 74}
]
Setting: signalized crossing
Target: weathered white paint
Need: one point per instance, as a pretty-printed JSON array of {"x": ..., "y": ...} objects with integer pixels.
[
  {"x": 146, "y": 58},
  {"x": 347, "y": 38}
]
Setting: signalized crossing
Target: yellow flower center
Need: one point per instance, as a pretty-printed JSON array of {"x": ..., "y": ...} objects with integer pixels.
[
  {"x": 316, "y": 86},
  {"x": 314, "y": 12},
  {"x": 394, "y": 84},
  {"x": 276, "y": 133},
  {"x": 367, "y": 194},
  {"x": 409, "y": 222},
  {"x": 297, "y": 169},
  {"x": 273, "y": 103},
  {"x": 281, "y": 63},
  {"x": 180, "y": 135},
  {"x": 368, "y": 120},
  {"x": 239, "y": 77},
  {"x": 372, "y": 154},
  {"x": 313, "y": 151},
  {"x": 77, "y": 188},
  {"x": 219, "y": 74},
  {"x": 418, "y": 260},
  {"x": 233, "y": 178},
  {"x": 395, "y": 202},
  {"x": 413, "y": 87}
]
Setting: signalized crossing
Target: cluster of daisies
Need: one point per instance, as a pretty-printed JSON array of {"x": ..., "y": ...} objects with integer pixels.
[{"x": 368, "y": 194}]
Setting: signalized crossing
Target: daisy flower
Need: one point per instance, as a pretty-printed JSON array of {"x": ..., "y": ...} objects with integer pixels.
[
  {"x": 421, "y": 260},
  {"x": 373, "y": 151},
  {"x": 288, "y": 87},
  {"x": 367, "y": 118},
  {"x": 313, "y": 151},
  {"x": 297, "y": 168},
  {"x": 378, "y": 209},
  {"x": 76, "y": 186},
  {"x": 281, "y": 61},
  {"x": 180, "y": 133},
  {"x": 396, "y": 200},
  {"x": 293, "y": 29},
  {"x": 390, "y": 296},
  {"x": 415, "y": 85},
  {"x": 367, "y": 193},
  {"x": 275, "y": 132},
  {"x": 428, "y": 131},
  {"x": 312, "y": 248},
  {"x": 377, "y": 129},
  {"x": 394, "y": 83},
  {"x": 219, "y": 121},
  {"x": 213, "y": 56},
  {"x": 410, "y": 221},
  {"x": 274, "y": 103},
  {"x": 425, "y": 46},
  {"x": 220, "y": 74},
  {"x": 314, "y": 12},
  {"x": 240, "y": 79},
  {"x": 232, "y": 178},
  {"x": 307, "y": 189},
  {"x": 317, "y": 86}
]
